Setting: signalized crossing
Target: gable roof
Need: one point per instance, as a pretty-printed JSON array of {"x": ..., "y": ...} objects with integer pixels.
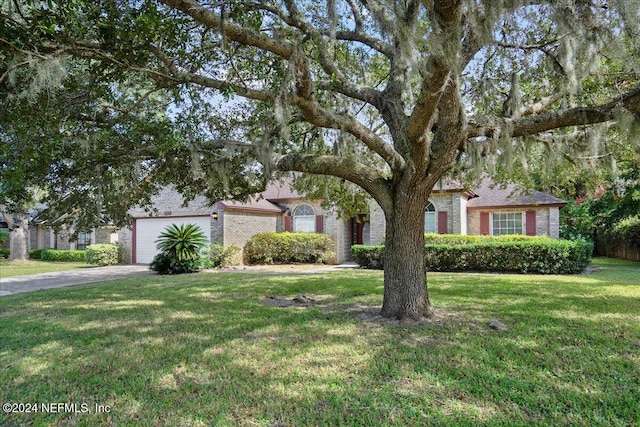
[
  {"x": 492, "y": 195},
  {"x": 266, "y": 202},
  {"x": 279, "y": 191}
]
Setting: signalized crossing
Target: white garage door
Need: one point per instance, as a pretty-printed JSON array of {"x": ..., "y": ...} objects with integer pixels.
[{"x": 148, "y": 230}]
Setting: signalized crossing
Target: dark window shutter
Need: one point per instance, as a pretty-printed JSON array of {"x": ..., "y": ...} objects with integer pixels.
[
  {"x": 319, "y": 224},
  {"x": 288, "y": 223},
  {"x": 484, "y": 223},
  {"x": 442, "y": 222},
  {"x": 531, "y": 223}
]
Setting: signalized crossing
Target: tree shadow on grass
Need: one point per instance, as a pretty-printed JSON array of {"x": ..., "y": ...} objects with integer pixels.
[{"x": 160, "y": 351}]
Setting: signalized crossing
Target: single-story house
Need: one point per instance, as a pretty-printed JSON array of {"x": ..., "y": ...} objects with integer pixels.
[
  {"x": 42, "y": 236},
  {"x": 488, "y": 209}
]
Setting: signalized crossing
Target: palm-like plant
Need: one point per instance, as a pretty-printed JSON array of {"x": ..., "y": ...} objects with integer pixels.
[{"x": 181, "y": 242}]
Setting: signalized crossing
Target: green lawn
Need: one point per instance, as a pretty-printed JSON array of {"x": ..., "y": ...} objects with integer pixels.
[
  {"x": 202, "y": 350},
  {"x": 21, "y": 268}
]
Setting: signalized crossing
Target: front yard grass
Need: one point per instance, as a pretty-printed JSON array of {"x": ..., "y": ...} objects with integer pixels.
[
  {"x": 203, "y": 349},
  {"x": 22, "y": 268}
]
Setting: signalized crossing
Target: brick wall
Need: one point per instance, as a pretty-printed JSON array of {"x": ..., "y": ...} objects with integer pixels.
[
  {"x": 125, "y": 238},
  {"x": 239, "y": 227},
  {"x": 547, "y": 220},
  {"x": 168, "y": 202},
  {"x": 377, "y": 221}
]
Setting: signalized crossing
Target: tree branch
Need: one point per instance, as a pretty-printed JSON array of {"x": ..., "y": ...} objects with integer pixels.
[
  {"x": 235, "y": 32},
  {"x": 317, "y": 115},
  {"x": 531, "y": 125},
  {"x": 339, "y": 80},
  {"x": 367, "y": 178}
]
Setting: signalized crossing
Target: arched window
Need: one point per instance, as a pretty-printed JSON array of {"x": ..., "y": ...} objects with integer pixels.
[
  {"x": 430, "y": 219},
  {"x": 304, "y": 219}
]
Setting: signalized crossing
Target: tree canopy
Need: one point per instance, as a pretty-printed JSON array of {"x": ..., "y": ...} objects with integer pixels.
[{"x": 390, "y": 96}]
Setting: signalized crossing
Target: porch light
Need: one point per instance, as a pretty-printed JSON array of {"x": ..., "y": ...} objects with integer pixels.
[{"x": 214, "y": 215}]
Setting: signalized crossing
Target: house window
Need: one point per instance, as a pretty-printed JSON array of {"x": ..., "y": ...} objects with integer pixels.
[
  {"x": 304, "y": 219},
  {"x": 430, "y": 219},
  {"x": 506, "y": 223},
  {"x": 84, "y": 240},
  {"x": 366, "y": 233}
]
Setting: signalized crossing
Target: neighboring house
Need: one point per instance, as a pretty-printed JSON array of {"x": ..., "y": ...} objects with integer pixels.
[
  {"x": 452, "y": 209},
  {"x": 42, "y": 236}
]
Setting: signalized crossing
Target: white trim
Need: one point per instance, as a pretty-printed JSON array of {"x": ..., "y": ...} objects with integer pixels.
[
  {"x": 523, "y": 221},
  {"x": 433, "y": 213},
  {"x": 308, "y": 221}
]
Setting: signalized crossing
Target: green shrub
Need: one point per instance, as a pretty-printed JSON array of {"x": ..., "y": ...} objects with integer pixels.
[
  {"x": 165, "y": 264},
  {"x": 63, "y": 256},
  {"x": 221, "y": 257},
  {"x": 4, "y": 236},
  {"x": 4, "y": 253},
  {"x": 124, "y": 256},
  {"x": 102, "y": 254},
  {"x": 36, "y": 253},
  {"x": 625, "y": 233},
  {"x": 368, "y": 256},
  {"x": 501, "y": 254},
  {"x": 288, "y": 248},
  {"x": 181, "y": 250},
  {"x": 182, "y": 242},
  {"x": 468, "y": 239}
]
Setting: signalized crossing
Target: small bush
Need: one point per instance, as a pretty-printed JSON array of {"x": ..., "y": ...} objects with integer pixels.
[
  {"x": 368, "y": 256},
  {"x": 4, "y": 236},
  {"x": 102, "y": 254},
  {"x": 124, "y": 256},
  {"x": 63, "y": 256},
  {"x": 36, "y": 253},
  {"x": 290, "y": 248},
  {"x": 181, "y": 249},
  {"x": 165, "y": 264},
  {"x": 182, "y": 242},
  {"x": 501, "y": 254},
  {"x": 4, "y": 253},
  {"x": 221, "y": 257}
]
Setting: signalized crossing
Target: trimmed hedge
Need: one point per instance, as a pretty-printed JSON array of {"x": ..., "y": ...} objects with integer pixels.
[
  {"x": 468, "y": 239},
  {"x": 63, "y": 256},
  {"x": 290, "y": 248},
  {"x": 4, "y": 253},
  {"x": 36, "y": 253},
  {"x": 517, "y": 255},
  {"x": 102, "y": 254}
]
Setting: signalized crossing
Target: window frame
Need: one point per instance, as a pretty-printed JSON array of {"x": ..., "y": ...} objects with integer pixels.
[
  {"x": 310, "y": 219},
  {"x": 510, "y": 230},
  {"x": 434, "y": 214},
  {"x": 86, "y": 238}
]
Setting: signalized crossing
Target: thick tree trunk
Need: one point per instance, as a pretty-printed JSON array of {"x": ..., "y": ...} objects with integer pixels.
[
  {"x": 19, "y": 226},
  {"x": 405, "y": 275}
]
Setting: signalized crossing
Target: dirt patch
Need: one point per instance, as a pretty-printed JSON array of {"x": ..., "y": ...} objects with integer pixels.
[
  {"x": 280, "y": 301},
  {"x": 438, "y": 317}
]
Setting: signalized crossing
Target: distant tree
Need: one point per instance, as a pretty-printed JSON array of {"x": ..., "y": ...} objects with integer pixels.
[{"x": 389, "y": 96}]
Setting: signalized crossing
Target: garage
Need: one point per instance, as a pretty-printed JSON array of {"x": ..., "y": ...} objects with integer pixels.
[{"x": 147, "y": 230}]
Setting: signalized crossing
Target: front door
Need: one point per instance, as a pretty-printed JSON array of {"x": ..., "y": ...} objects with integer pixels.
[{"x": 360, "y": 230}]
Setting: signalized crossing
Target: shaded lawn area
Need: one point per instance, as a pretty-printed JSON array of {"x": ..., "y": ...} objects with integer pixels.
[
  {"x": 22, "y": 268},
  {"x": 203, "y": 350}
]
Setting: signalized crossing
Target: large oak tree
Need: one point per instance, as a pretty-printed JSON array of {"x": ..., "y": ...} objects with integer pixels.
[{"x": 388, "y": 95}]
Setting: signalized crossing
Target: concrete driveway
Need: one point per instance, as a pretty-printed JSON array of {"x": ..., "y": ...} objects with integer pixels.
[{"x": 34, "y": 282}]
